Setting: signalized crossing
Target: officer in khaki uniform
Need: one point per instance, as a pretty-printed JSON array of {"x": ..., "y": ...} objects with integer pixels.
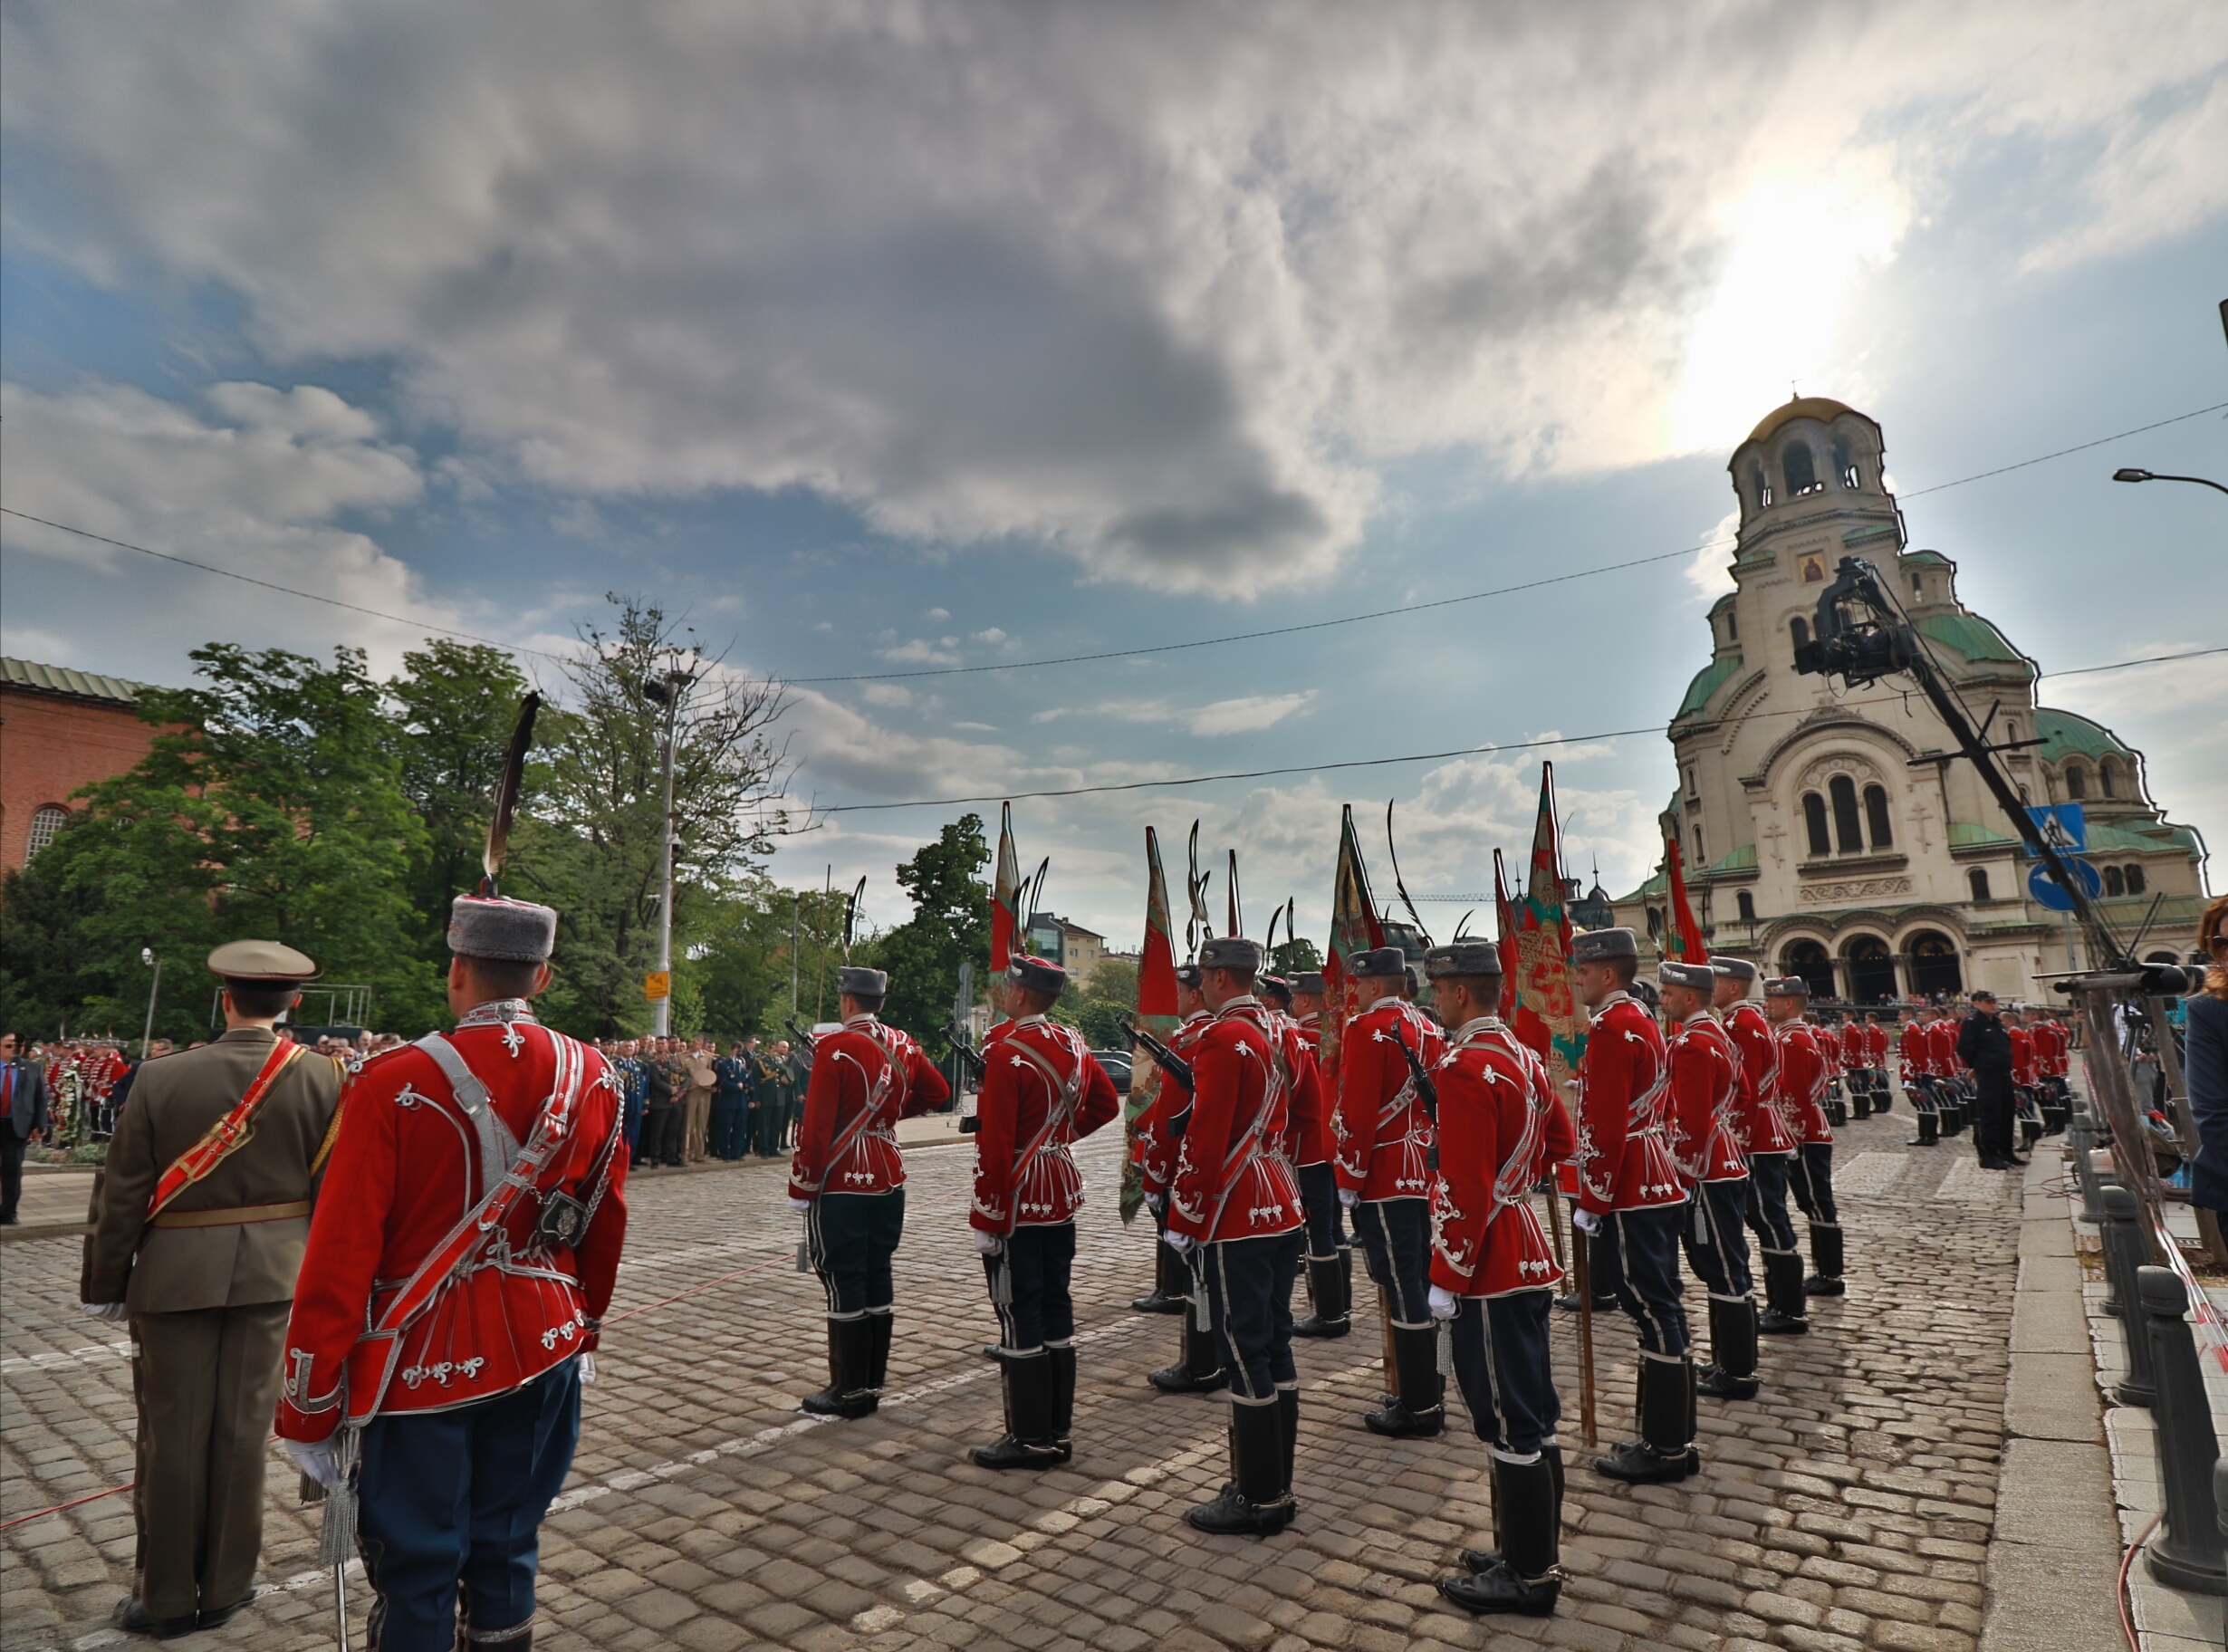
[{"x": 206, "y": 1281}]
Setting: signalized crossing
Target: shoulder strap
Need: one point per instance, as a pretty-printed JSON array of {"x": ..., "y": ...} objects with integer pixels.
[
  {"x": 228, "y": 1135},
  {"x": 498, "y": 1146}
]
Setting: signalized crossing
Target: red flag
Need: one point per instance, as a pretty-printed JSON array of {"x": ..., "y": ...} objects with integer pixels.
[
  {"x": 1504, "y": 908},
  {"x": 1005, "y": 916},
  {"x": 1685, "y": 941},
  {"x": 1548, "y": 1017},
  {"x": 1156, "y": 1013},
  {"x": 1354, "y": 928}
]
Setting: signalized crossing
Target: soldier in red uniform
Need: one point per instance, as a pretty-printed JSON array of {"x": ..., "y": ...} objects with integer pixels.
[
  {"x": 1630, "y": 1192},
  {"x": 2026, "y": 1073},
  {"x": 1234, "y": 1207},
  {"x": 1770, "y": 1144},
  {"x": 1950, "y": 1082},
  {"x": 1198, "y": 1367},
  {"x": 1330, "y": 1257},
  {"x": 847, "y": 1179},
  {"x": 1493, "y": 1274},
  {"x": 1916, "y": 1046},
  {"x": 1041, "y": 1091},
  {"x": 1384, "y": 1136},
  {"x": 1875, "y": 1043},
  {"x": 1705, "y": 1142},
  {"x": 1804, "y": 1078},
  {"x": 458, "y": 1266}
]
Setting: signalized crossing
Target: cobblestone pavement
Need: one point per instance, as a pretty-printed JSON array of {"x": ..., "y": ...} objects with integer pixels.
[{"x": 1848, "y": 1507}]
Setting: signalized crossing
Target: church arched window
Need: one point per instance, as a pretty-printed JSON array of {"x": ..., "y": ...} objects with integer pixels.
[
  {"x": 1845, "y": 464},
  {"x": 2077, "y": 782},
  {"x": 1746, "y": 905},
  {"x": 1848, "y": 827},
  {"x": 1814, "y": 823},
  {"x": 2114, "y": 883},
  {"x": 1978, "y": 879},
  {"x": 1799, "y": 469},
  {"x": 2108, "y": 777},
  {"x": 1876, "y": 818},
  {"x": 2134, "y": 875}
]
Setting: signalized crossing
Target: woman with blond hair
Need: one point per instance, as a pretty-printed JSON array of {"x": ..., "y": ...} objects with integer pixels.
[{"x": 2206, "y": 1063}]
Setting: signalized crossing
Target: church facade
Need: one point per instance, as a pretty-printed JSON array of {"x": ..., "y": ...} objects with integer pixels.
[{"x": 1834, "y": 834}]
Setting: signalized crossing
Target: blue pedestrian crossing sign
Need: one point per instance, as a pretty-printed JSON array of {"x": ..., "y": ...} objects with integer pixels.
[
  {"x": 2046, "y": 892},
  {"x": 2062, "y": 825}
]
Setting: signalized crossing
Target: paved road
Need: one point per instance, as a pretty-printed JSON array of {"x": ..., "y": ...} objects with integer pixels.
[{"x": 1848, "y": 1507}]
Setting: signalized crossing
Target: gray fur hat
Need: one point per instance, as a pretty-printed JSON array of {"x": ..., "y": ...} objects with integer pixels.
[
  {"x": 1600, "y": 945},
  {"x": 860, "y": 982},
  {"x": 494, "y": 927},
  {"x": 1382, "y": 961},
  {"x": 1734, "y": 969},
  {"x": 1463, "y": 958},
  {"x": 1701, "y": 977},
  {"x": 1787, "y": 986},
  {"x": 1036, "y": 974},
  {"x": 1231, "y": 952},
  {"x": 1309, "y": 982},
  {"x": 1187, "y": 975}
]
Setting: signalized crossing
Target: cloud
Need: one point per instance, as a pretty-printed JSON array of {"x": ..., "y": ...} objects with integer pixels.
[
  {"x": 1711, "y": 571},
  {"x": 891, "y": 695},
  {"x": 253, "y": 487},
  {"x": 1248, "y": 714},
  {"x": 1095, "y": 277}
]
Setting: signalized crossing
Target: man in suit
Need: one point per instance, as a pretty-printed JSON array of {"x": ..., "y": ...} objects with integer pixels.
[
  {"x": 202, "y": 1212},
  {"x": 23, "y": 1119}
]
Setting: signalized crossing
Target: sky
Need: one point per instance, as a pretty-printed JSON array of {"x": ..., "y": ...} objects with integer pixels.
[{"x": 896, "y": 338}]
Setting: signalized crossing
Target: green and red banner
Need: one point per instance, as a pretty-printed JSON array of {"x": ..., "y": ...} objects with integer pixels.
[
  {"x": 1683, "y": 944},
  {"x": 1504, "y": 910},
  {"x": 1354, "y": 928},
  {"x": 1156, "y": 1013},
  {"x": 1005, "y": 914},
  {"x": 1548, "y": 1017}
]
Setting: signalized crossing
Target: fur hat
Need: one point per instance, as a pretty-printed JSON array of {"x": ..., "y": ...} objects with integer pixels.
[
  {"x": 1036, "y": 974},
  {"x": 1383, "y": 961},
  {"x": 860, "y": 982},
  {"x": 1600, "y": 945},
  {"x": 495, "y": 927},
  {"x": 1466, "y": 957},
  {"x": 1232, "y": 952}
]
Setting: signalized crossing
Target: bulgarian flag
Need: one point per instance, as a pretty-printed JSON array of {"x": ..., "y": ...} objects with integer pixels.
[
  {"x": 1156, "y": 1013},
  {"x": 1005, "y": 915},
  {"x": 1354, "y": 928},
  {"x": 1683, "y": 944},
  {"x": 1548, "y": 1017},
  {"x": 1504, "y": 908}
]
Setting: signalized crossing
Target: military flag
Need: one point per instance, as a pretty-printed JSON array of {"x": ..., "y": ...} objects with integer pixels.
[
  {"x": 1683, "y": 944},
  {"x": 1548, "y": 1017},
  {"x": 1156, "y": 1013},
  {"x": 1005, "y": 914},
  {"x": 1354, "y": 928},
  {"x": 1504, "y": 909}
]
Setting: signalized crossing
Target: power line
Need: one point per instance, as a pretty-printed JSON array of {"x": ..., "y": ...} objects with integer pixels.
[
  {"x": 1373, "y": 763},
  {"x": 2083, "y": 448}
]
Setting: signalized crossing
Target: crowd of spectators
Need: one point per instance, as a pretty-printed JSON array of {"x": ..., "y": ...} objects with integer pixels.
[{"x": 686, "y": 1103}]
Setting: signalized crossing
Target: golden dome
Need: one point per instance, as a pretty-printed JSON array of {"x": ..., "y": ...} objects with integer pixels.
[{"x": 1823, "y": 408}]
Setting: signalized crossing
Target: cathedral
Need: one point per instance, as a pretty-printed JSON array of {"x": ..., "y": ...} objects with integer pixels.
[{"x": 1836, "y": 834}]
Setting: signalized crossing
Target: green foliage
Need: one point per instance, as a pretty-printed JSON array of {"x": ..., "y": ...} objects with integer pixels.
[
  {"x": 1291, "y": 957},
  {"x": 950, "y": 926},
  {"x": 1106, "y": 996}
]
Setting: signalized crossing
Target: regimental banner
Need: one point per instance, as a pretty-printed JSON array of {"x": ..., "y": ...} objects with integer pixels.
[
  {"x": 1504, "y": 910},
  {"x": 1354, "y": 928},
  {"x": 1548, "y": 1017},
  {"x": 1683, "y": 944},
  {"x": 1005, "y": 916},
  {"x": 1156, "y": 1013}
]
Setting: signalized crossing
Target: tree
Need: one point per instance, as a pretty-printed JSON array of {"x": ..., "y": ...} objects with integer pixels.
[
  {"x": 950, "y": 926},
  {"x": 1293, "y": 956}
]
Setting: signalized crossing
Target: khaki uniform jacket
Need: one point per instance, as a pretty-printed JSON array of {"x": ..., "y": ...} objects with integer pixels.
[{"x": 173, "y": 1103}]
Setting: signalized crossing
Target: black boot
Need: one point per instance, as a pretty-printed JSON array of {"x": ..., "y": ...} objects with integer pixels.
[
  {"x": 1665, "y": 1448},
  {"x": 1826, "y": 1252},
  {"x": 132, "y": 1618},
  {"x": 1029, "y": 1441},
  {"x": 1785, "y": 1314},
  {"x": 1837, "y": 1111},
  {"x": 1528, "y": 1504},
  {"x": 1420, "y": 1409},
  {"x": 1732, "y": 1375},
  {"x": 1288, "y": 1430},
  {"x": 1860, "y": 1104},
  {"x": 1929, "y": 1132},
  {"x": 850, "y": 1359},
  {"x": 1954, "y": 1117},
  {"x": 877, "y": 1350},
  {"x": 1327, "y": 1285},
  {"x": 1063, "y": 1399},
  {"x": 1486, "y": 1559},
  {"x": 1171, "y": 1281},
  {"x": 1255, "y": 1504},
  {"x": 1200, "y": 1371},
  {"x": 1880, "y": 1095}
]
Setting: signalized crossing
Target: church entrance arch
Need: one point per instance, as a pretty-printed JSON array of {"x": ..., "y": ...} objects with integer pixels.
[
  {"x": 1934, "y": 970},
  {"x": 1811, "y": 960},
  {"x": 1871, "y": 970}
]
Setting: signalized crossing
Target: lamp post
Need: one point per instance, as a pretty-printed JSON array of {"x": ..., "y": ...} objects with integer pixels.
[
  {"x": 147, "y": 1039},
  {"x": 2131, "y": 474},
  {"x": 668, "y": 691}
]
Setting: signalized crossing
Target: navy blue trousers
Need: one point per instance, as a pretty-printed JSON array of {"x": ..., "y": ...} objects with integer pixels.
[
  {"x": 1811, "y": 1179},
  {"x": 457, "y": 1497},
  {"x": 1502, "y": 1366},
  {"x": 1396, "y": 1242},
  {"x": 1319, "y": 1196},
  {"x": 1716, "y": 1246},
  {"x": 849, "y": 1239},
  {"x": 1249, "y": 1305},
  {"x": 1767, "y": 1201},
  {"x": 1032, "y": 1272},
  {"x": 731, "y": 1112},
  {"x": 1638, "y": 1253}
]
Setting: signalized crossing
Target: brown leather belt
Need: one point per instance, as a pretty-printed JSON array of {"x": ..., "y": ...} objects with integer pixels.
[{"x": 232, "y": 1216}]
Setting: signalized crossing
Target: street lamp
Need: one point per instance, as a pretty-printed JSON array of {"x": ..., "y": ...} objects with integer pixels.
[
  {"x": 2131, "y": 474},
  {"x": 147, "y": 1039}
]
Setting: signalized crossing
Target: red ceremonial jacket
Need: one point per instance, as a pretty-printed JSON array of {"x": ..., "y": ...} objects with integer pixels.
[
  {"x": 1314, "y": 1137},
  {"x": 2049, "y": 1048},
  {"x": 1942, "y": 1039},
  {"x": 1763, "y": 1129},
  {"x": 1501, "y": 1124},
  {"x": 1918, "y": 1052},
  {"x": 1157, "y": 1139},
  {"x": 1876, "y": 1047},
  {"x": 865, "y": 1078},
  {"x": 1804, "y": 1079},
  {"x": 1384, "y": 1134},
  {"x": 1624, "y": 1162},
  {"x": 1043, "y": 1092},
  {"x": 408, "y": 1166},
  {"x": 2024, "y": 1069},
  {"x": 1705, "y": 1102},
  {"x": 1233, "y": 1180}
]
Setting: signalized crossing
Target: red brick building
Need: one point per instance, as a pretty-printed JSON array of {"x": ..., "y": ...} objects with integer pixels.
[{"x": 59, "y": 730}]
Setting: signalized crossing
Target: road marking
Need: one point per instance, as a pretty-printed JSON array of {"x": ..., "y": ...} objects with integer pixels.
[
  {"x": 1869, "y": 1175},
  {"x": 1969, "y": 1184}
]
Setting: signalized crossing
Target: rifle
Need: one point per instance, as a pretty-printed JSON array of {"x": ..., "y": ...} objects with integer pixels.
[
  {"x": 799, "y": 1034},
  {"x": 971, "y": 1060},
  {"x": 1425, "y": 1090},
  {"x": 1169, "y": 1062}
]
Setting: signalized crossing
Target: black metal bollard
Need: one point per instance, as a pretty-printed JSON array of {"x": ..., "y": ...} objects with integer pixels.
[
  {"x": 2124, "y": 1255},
  {"x": 2187, "y": 1553}
]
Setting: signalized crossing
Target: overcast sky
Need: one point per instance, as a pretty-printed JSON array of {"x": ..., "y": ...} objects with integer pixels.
[{"x": 898, "y": 337}]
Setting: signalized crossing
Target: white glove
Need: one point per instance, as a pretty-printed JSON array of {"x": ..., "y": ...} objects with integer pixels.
[
  {"x": 990, "y": 1244},
  {"x": 111, "y": 1313},
  {"x": 1349, "y": 1197},
  {"x": 588, "y": 1370},
  {"x": 800, "y": 1205},
  {"x": 1156, "y": 1203},
  {"x": 317, "y": 1459},
  {"x": 1442, "y": 1303},
  {"x": 1586, "y": 1221},
  {"x": 1179, "y": 1242}
]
